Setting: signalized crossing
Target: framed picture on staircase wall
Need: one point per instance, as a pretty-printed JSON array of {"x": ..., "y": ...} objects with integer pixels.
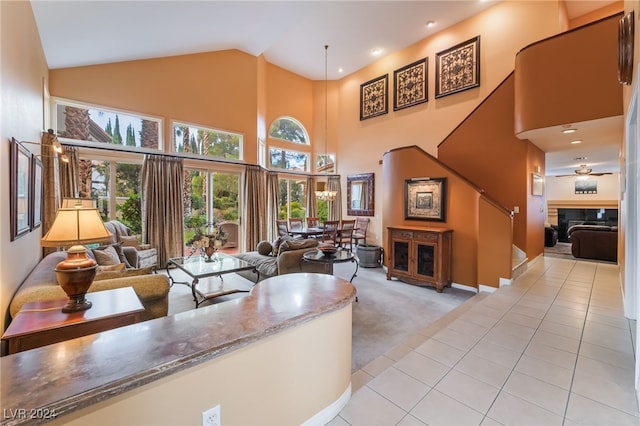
[{"x": 425, "y": 199}]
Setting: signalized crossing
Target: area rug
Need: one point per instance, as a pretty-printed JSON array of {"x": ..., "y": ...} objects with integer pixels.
[{"x": 386, "y": 314}]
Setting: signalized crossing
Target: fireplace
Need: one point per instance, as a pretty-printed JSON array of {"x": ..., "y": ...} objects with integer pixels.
[{"x": 587, "y": 216}]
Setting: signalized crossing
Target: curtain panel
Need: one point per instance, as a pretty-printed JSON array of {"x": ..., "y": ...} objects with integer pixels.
[
  {"x": 273, "y": 205},
  {"x": 310, "y": 195},
  {"x": 335, "y": 206},
  {"x": 50, "y": 185},
  {"x": 162, "y": 209},
  {"x": 255, "y": 201},
  {"x": 69, "y": 173}
]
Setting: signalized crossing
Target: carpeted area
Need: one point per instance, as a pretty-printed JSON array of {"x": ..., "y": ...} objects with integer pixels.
[
  {"x": 561, "y": 250},
  {"x": 387, "y": 312}
]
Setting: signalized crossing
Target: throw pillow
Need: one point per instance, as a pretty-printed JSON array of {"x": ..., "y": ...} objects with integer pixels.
[
  {"x": 106, "y": 256},
  {"x": 276, "y": 244},
  {"x": 116, "y": 267},
  {"x": 129, "y": 241},
  {"x": 264, "y": 248},
  {"x": 297, "y": 244},
  {"x": 108, "y": 275},
  {"x": 121, "y": 256}
]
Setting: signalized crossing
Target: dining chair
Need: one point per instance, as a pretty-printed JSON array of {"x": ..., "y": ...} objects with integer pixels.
[
  {"x": 283, "y": 228},
  {"x": 330, "y": 232},
  {"x": 313, "y": 222},
  {"x": 346, "y": 233},
  {"x": 295, "y": 223},
  {"x": 360, "y": 231}
]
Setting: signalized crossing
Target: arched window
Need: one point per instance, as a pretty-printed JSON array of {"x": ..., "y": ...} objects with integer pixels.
[{"x": 289, "y": 129}]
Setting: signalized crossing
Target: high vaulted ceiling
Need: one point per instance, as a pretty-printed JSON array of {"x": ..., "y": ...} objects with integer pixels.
[{"x": 290, "y": 34}]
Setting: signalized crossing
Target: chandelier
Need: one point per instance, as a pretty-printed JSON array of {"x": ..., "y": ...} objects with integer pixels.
[{"x": 322, "y": 192}]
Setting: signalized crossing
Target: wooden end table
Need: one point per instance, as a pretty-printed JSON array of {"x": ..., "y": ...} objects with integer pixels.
[{"x": 43, "y": 323}]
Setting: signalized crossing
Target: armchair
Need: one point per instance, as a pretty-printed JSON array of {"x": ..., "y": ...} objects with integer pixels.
[{"x": 138, "y": 255}]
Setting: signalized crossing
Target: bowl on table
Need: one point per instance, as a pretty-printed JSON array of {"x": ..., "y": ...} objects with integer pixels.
[{"x": 328, "y": 250}]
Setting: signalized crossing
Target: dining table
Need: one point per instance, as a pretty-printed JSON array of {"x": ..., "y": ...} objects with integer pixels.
[{"x": 306, "y": 232}]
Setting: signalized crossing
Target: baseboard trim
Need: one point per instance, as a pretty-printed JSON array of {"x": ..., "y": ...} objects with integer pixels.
[
  {"x": 464, "y": 287},
  {"x": 328, "y": 413},
  {"x": 486, "y": 288}
]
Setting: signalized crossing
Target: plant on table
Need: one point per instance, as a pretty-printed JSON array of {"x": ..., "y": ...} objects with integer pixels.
[{"x": 208, "y": 239}]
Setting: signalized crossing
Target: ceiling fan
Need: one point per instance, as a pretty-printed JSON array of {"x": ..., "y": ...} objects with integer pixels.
[{"x": 584, "y": 171}]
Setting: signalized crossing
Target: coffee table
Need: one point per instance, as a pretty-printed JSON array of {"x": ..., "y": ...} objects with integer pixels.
[
  {"x": 197, "y": 268},
  {"x": 340, "y": 256}
]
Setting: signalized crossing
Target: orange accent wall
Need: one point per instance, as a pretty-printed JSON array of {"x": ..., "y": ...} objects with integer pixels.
[
  {"x": 485, "y": 150},
  {"x": 603, "y": 12},
  {"x": 214, "y": 89},
  {"x": 550, "y": 85},
  {"x": 461, "y": 206}
]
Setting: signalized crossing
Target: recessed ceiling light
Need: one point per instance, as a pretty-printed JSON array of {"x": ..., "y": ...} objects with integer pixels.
[
  {"x": 340, "y": 70},
  {"x": 567, "y": 131},
  {"x": 576, "y": 142},
  {"x": 431, "y": 23},
  {"x": 376, "y": 52}
]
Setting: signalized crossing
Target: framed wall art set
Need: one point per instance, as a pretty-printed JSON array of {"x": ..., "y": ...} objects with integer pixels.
[
  {"x": 457, "y": 69},
  {"x": 25, "y": 187}
]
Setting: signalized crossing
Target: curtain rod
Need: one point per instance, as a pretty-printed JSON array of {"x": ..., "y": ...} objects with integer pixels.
[{"x": 210, "y": 160}]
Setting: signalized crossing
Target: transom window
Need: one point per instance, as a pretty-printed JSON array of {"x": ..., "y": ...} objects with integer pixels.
[
  {"x": 205, "y": 142},
  {"x": 289, "y": 129},
  {"x": 288, "y": 160},
  {"x": 106, "y": 126}
]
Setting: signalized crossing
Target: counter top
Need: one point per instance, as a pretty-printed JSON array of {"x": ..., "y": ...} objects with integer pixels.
[{"x": 41, "y": 384}]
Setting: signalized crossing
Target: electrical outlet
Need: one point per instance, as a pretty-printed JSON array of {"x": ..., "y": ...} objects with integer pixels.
[{"x": 211, "y": 417}]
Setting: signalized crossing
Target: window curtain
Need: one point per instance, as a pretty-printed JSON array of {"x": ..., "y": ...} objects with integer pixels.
[
  {"x": 273, "y": 205},
  {"x": 255, "y": 201},
  {"x": 335, "y": 206},
  {"x": 69, "y": 173},
  {"x": 162, "y": 209},
  {"x": 310, "y": 194},
  {"x": 50, "y": 183}
]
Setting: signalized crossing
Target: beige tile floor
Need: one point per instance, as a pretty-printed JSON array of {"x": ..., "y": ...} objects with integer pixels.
[{"x": 553, "y": 348}]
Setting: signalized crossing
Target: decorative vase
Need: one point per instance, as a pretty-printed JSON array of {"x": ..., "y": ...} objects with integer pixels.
[{"x": 209, "y": 251}]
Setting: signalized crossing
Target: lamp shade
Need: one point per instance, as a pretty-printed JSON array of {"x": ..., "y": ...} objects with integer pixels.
[{"x": 74, "y": 226}]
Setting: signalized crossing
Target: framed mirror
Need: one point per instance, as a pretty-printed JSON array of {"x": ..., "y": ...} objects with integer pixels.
[{"x": 360, "y": 190}]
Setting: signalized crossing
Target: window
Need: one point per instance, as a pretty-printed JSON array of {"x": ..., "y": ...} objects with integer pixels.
[
  {"x": 210, "y": 197},
  {"x": 125, "y": 204},
  {"x": 99, "y": 125},
  {"x": 288, "y": 160},
  {"x": 289, "y": 129},
  {"x": 210, "y": 143},
  {"x": 325, "y": 163},
  {"x": 292, "y": 199}
]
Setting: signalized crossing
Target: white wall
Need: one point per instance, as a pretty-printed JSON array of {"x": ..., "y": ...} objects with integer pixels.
[{"x": 563, "y": 188}]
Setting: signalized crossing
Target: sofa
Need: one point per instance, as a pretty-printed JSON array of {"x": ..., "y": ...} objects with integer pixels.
[
  {"x": 283, "y": 256},
  {"x": 594, "y": 242},
  {"x": 138, "y": 255},
  {"x": 41, "y": 284}
]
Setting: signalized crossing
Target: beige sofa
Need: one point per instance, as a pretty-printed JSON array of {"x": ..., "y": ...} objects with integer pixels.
[
  {"x": 41, "y": 284},
  {"x": 287, "y": 259},
  {"x": 138, "y": 255}
]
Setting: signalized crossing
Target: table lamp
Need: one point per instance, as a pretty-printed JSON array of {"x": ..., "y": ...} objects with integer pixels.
[{"x": 73, "y": 227}]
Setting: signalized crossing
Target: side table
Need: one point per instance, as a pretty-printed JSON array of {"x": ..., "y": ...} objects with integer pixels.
[{"x": 43, "y": 323}]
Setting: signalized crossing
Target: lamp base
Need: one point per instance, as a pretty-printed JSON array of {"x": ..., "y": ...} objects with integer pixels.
[{"x": 75, "y": 275}]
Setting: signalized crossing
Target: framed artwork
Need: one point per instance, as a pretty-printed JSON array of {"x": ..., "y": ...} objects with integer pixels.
[
  {"x": 625, "y": 48},
  {"x": 537, "y": 184},
  {"x": 425, "y": 199},
  {"x": 410, "y": 84},
  {"x": 19, "y": 171},
  {"x": 373, "y": 97},
  {"x": 35, "y": 191},
  {"x": 589, "y": 186},
  {"x": 458, "y": 68}
]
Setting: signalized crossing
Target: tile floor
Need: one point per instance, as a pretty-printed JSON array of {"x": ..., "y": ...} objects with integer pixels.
[{"x": 553, "y": 348}]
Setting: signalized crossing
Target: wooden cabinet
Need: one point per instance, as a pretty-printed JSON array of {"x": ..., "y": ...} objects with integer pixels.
[{"x": 420, "y": 256}]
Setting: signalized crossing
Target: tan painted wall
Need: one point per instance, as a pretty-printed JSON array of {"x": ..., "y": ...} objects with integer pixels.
[
  {"x": 603, "y": 12},
  {"x": 23, "y": 77},
  {"x": 282, "y": 380}
]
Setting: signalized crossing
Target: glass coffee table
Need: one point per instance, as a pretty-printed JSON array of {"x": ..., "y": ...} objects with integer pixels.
[
  {"x": 340, "y": 256},
  {"x": 197, "y": 268}
]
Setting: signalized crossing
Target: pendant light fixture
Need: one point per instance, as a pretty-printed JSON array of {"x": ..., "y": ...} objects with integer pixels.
[{"x": 322, "y": 192}]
